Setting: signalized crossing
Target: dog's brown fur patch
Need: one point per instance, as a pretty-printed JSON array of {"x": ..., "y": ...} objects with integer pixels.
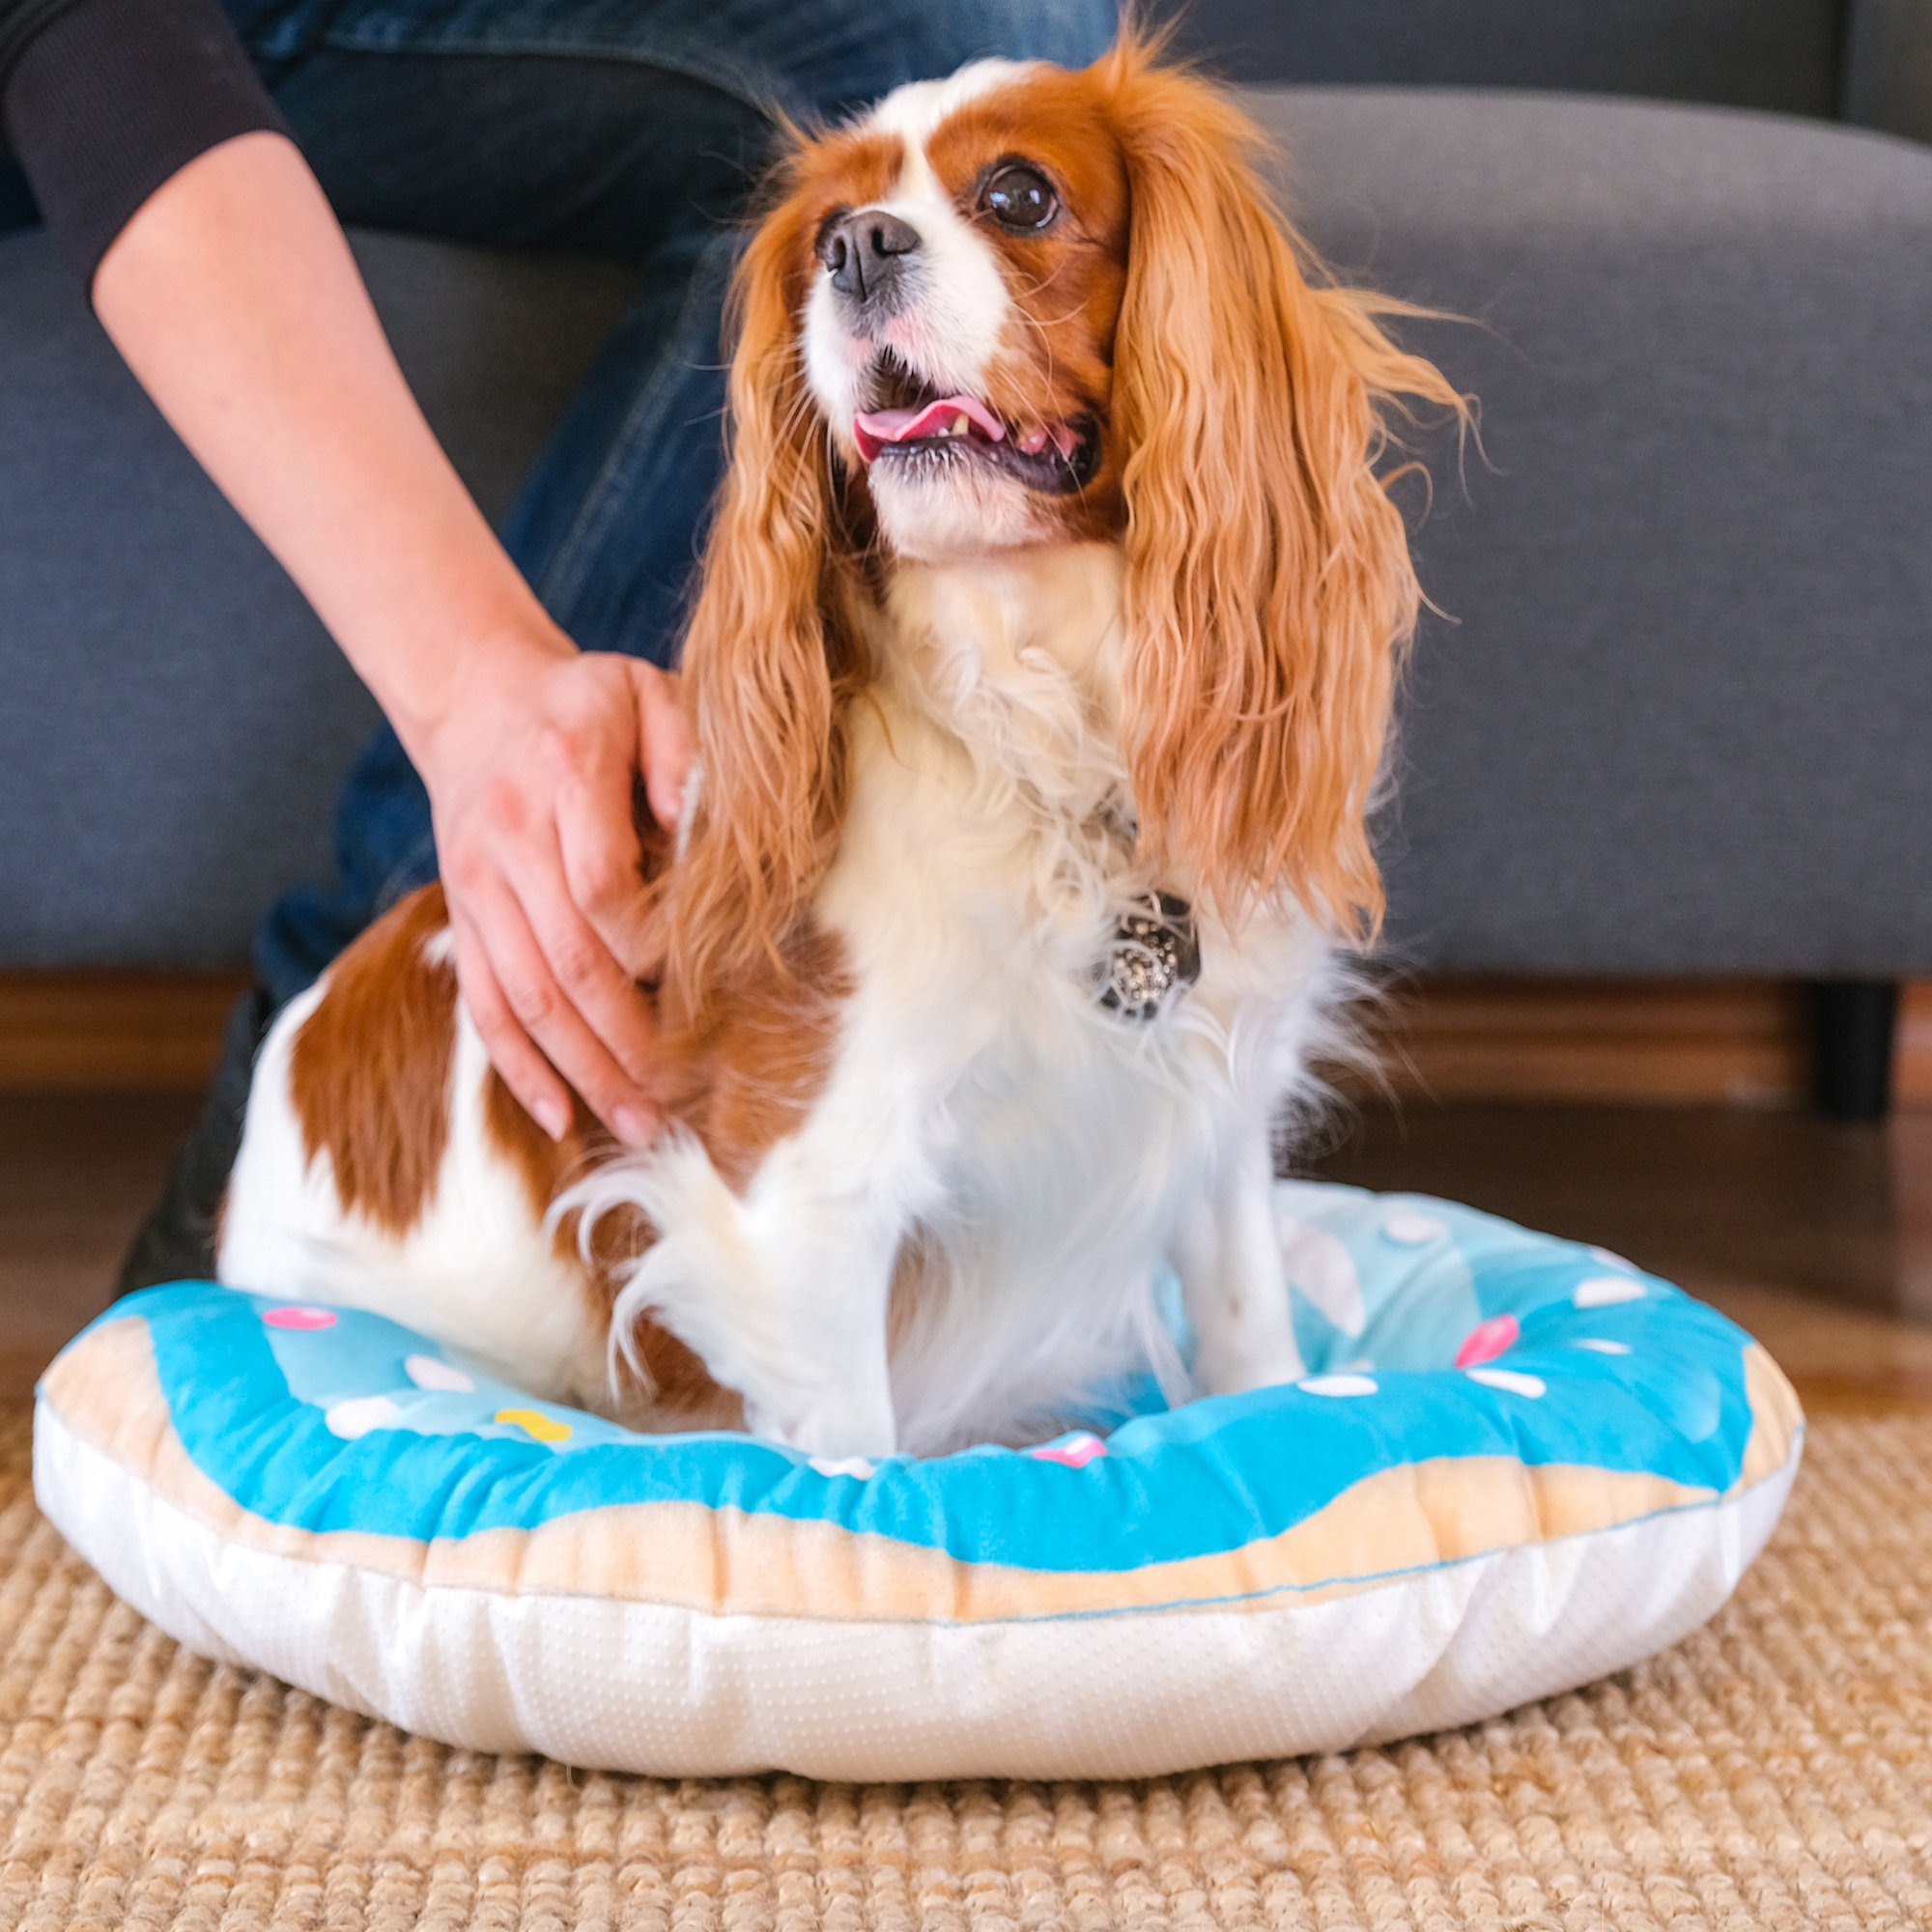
[
  {"x": 746, "y": 1079},
  {"x": 369, "y": 1069}
]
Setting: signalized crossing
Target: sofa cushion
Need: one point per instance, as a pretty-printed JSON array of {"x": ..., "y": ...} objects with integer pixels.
[{"x": 1674, "y": 720}]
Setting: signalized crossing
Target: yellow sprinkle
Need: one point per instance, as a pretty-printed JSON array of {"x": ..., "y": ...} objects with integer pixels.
[{"x": 545, "y": 1427}]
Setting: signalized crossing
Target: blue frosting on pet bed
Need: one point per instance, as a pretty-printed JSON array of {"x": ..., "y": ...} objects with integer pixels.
[{"x": 1514, "y": 1463}]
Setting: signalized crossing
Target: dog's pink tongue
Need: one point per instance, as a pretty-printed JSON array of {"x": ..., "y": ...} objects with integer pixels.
[{"x": 872, "y": 431}]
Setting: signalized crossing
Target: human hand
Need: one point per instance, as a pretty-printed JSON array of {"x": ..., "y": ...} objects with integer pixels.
[{"x": 531, "y": 775}]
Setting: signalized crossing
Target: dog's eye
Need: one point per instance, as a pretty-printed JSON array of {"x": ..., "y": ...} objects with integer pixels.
[{"x": 1019, "y": 197}]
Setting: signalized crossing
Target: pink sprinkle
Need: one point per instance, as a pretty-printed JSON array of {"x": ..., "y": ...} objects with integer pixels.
[
  {"x": 299, "y": 1317},
  {"x": 1487, "y": 1340},
  {"x": 1076, "y": 1454}
]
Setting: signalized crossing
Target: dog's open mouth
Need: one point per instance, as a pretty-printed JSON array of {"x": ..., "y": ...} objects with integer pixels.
[{"x": 918, "y": 424}]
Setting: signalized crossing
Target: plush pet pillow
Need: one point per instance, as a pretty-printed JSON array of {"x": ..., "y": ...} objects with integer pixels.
[{"x": 1516, "y": 1464}]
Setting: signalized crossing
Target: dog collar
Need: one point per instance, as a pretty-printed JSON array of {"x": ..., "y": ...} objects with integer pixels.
[{"x": 1152, "y": 952}]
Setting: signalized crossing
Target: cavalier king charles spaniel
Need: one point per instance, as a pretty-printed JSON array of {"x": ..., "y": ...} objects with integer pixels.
[{"x": 1039, "y": 672}]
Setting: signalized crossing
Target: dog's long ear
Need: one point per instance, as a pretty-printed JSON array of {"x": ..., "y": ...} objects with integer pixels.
[
  {"x": 772, "y": 653},
  {"x": 1270, "y": 586}
]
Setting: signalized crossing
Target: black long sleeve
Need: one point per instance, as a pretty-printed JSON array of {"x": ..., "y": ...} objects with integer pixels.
[{"x": 102, "y": 100}]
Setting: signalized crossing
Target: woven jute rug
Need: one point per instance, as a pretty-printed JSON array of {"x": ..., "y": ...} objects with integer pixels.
[{"x": 1774, "y": 1770}]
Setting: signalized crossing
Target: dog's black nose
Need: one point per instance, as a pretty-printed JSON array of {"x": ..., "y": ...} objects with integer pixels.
[{"x": 866, "y": 251}]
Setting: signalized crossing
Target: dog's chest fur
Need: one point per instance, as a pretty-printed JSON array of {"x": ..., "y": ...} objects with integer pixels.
[{"x": 1034, "y": 1151}]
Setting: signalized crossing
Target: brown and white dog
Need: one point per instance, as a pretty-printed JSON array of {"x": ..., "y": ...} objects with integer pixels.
[{"x": 1039, "y": 674}]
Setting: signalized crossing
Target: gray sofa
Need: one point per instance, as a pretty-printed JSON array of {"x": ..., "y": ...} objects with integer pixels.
[{"x": 1673, "y": 714}]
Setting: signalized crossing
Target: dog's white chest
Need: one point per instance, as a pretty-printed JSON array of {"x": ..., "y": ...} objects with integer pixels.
[{"x": 1041, "y": 1145}]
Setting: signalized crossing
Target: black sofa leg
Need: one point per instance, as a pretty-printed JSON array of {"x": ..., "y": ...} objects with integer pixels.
[{"x": 1855, "y": 1024}]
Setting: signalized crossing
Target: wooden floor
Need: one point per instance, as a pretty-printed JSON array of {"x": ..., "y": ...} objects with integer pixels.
[
  {"x": 77, "y": 1172},
  {"x": 1818, "y": 1238}
]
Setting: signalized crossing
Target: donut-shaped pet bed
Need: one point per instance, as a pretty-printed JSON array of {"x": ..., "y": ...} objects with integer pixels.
[{"x": 1515, "y": 1463}]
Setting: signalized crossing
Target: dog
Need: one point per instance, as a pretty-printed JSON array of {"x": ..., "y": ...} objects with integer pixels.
[{"x": 1039, "y": 672}]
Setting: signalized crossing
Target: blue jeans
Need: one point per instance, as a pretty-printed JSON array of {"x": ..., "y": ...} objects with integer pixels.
[{"x": 632, "y": 128}]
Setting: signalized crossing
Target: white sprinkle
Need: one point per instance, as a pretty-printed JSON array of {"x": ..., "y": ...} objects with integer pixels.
[
  {"x": 359, "y": 1414},
  {"x": 1320, "y": 1268},
  {"x": 1606, "y": 1291},
  {"x": 1338, "y": 1386},
  {"x": 1411, "y": 1230},
  {"x": 1512, "y": 1381},
  {"x": 432, "y": 1372},
  {"x": 1600, "y": 1347}
]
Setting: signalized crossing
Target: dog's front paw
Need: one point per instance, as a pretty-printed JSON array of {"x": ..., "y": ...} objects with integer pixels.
[
  {"x": 1235, "y": 1373},
  {"x": 834, "y": 1429}
]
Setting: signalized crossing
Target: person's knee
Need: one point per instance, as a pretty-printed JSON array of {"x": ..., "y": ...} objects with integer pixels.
[{"x": 1069, "y": 32}]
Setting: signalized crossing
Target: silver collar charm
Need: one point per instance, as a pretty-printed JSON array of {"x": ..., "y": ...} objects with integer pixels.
[{"x": 1154, "y": 951}]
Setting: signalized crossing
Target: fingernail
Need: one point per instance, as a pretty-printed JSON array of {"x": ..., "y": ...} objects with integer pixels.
[
  {"x": 553, "y": 1118},
  {"x": 632, "y": 1126}
]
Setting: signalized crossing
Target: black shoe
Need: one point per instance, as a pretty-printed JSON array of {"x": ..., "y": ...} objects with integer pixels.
[{"x": 176, "y": 1239}]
